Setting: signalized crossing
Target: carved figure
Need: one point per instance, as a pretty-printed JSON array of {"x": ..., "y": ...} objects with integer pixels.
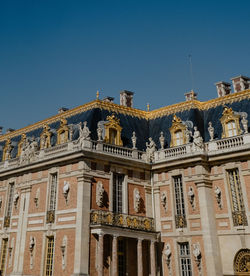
[
  {"x": 134, "y": 138},
  {"x": 191, "y": 197},
  {"x": 197, "y": 253},
  {"x": 162, "y": 140},
  {"x": 244, "y": 122},
  {"x": 150, "y": 150},
  {"x": 16, "y": 197},
  {"x": 84, "y": 132},
  {"x": 217, "y": 192},
  {"x": 28, "y": 150},
  {"x": 99, "y": 132},
  {"x": 31, "y": 244},
  {"x": 197, "y": 140},
  {"x": 211, "y": 131},
  {"x": 66, "y": 188},
  {"x": 167, "y": 253},
  {"x": 164, "y": 200},
  {"x": 137, "y": 200},
  {"x": 99, "y": 194},
  {"x": 188, "y": 134}
]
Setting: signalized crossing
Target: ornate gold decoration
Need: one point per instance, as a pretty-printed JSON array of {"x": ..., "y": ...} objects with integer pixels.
[
  {"x": 180, "y": 221},
  {"x": 100, "y": 217},
  {"x": 50, "y": 218},
  {"x": 97, "y": 95},
  {"x": 7, "y": 150},
  {"x": 45, "y": 137},
  {"x": 113, "y": 131},
  {"x": 227, "y": 118},
  {"x": 20, "y": 144},
  {"x": 6, "y": 222},
  {"x": 242, "y": 262},
  {"x": 63, "y": 132},
  {"x": 177, "y": 128}
]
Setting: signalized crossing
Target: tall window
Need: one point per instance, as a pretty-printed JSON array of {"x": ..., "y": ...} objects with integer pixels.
[
  {"x": 9, "y": 205},
  {"x": 231, "y": 129},
  {"x": 52, "y": 199},
  {"x": 238, "y": 208},
  {"x": 180, "y": 218},
  {"x": 117, "y": 192},
  {"x": 121, "y": 257},
  {"x": 185, "y": 259},
  {"x": 53, "y": 186},
  {"x": 49, "y": 257},
  {"x": 10, "y": 200},
  {"x": 3, "y": 255}
]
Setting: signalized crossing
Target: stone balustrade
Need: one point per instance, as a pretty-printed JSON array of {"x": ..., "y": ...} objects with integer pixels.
[
  {"x": 214, "y": 147},
  {"x": 99, "y": 217}
]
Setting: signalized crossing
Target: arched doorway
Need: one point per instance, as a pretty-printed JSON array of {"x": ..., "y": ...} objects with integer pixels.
[{"x": 242, "y": 262}]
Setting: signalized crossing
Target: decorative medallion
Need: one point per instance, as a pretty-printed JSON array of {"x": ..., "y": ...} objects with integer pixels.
[{"x": 242, "y": 262}]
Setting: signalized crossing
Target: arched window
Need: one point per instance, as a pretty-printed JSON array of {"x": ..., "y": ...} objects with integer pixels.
[
  {"x": 178, "y": 138},
  {"x": 231, "y": 128}
]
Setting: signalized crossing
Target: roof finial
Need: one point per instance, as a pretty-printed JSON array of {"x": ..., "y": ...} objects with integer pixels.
[
  {"x": 97, "y": 95},
  {"x": 148, "y": 106}
]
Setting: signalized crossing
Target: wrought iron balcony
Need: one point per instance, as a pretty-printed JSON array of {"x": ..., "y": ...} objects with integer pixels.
[{"x": 99, "y": 217}]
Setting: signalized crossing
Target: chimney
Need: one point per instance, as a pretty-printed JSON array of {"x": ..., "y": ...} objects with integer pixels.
[
  {"x": 9, "y": 130},
  {"x": 62, "y": 109},
  {"x": 223, "y": 88},
  {"x": 126, "y": 98},
  {"x": 190, "y": 96},
  {"x": 1, "y": 130},
  {"x": 108, "y": 99},
  {"x": 240, "y": 83}
]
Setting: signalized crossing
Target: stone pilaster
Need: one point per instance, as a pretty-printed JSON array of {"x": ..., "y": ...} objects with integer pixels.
[
  {"x": 152, "y": 258},
  {"x": 209, "y": 233},
  {"x": 114, "y": 256},
  {"x": 100, "y": 254},
  {"x": 139, "y": 258},
  {"x": 22, "y": 230},
  {"x": 81, "y": 262}
]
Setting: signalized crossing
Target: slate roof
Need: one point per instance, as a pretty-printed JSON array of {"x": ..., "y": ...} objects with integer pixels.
[{"x": 141, "y": 122}]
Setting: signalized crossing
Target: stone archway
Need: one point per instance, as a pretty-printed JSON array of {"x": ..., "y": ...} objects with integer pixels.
[{"x": 242, "y": 262}]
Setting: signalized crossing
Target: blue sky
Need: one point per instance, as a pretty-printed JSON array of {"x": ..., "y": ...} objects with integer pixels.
[{"x": 58, "y": 53}]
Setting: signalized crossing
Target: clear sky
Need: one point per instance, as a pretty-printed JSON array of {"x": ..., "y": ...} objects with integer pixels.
[{"x": 58, "y": 53}]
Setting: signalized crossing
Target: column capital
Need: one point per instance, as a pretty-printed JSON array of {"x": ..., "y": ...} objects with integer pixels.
[
  {"x": 204, "y": 182},
  {"x": 84, "y": 178}
]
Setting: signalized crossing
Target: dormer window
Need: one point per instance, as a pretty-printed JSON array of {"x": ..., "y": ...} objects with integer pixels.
[
  {"x": 230, "y": 123},
  {"x": 113, "y": 131},
  {"x": 177, "y": 131}
]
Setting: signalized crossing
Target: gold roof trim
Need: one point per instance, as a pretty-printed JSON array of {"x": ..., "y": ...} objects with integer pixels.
[{"x": 112, "y": 107}]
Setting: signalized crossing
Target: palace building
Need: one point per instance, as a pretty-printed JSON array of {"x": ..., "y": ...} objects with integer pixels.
[{"x": 108, "y": 189}]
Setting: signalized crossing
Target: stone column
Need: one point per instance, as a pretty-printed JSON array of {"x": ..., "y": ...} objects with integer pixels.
[
  {"x": 81, "y": 262},
  {"x": 208, "y": 223},
  {"x": 114, "y": 256},
  {"x": 139, "y": 258},
  {"x": 100, "y": 254},
  {"x": 152, "y": 258},
  {"x": 21, "y": 230}
]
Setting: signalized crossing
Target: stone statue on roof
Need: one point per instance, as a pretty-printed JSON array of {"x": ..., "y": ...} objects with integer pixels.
[
  {"x": 198, "y": 144},
  {"x": 150, "y": 150},
  {"x": 211, "y": 131}
]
